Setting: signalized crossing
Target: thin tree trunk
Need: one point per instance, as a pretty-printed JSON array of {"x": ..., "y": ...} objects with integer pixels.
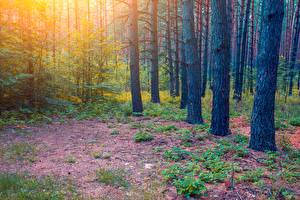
[
  {"x": 200, "y": 23},
  {"x": 205, "y": 53},
  {"x": 154, "y": 53},
  {"x": 169, "y": 47},
  {"x": 238, "y": 52},
  {"x": 54, "y": 32},
  {"x": 294, "y": 48},
  {"x": 251, "y": 49},
  {"x": 176, "y": 49},
  {"x": 243, "y": 52},
  {"x": 184, "y": 86}
]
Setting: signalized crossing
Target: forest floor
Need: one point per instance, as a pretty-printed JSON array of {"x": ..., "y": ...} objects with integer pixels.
[{"x": 104, "y": 161}]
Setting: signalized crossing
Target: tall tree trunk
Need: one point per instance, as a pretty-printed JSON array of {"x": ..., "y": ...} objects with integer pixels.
[
  {"x": 137, "y": 105},
  {"x": 294, "y": 48},
  {"x": 243, "y": 52},
  {"x": 169, "y": 47},
  {"x": 238, "y": 52},
  {"x": 200, "y": 23},
  {"x": 176, "y": 50},
  {"x": 193, "y": 64},
  {"x": 262, "y": 119},
  {"x": 251, "y": 49},
  {"x": 230, "y": 16},
  {"x": 154, "y": 53},
  {"x": 205, "y": 53},
  {"x": 54, "y": 32},
  {"x": 184, "y": 86},
  {"x": 221, "y": 84}
]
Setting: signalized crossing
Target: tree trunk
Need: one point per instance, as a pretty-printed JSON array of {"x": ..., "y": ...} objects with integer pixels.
[
  {"x": 154, "y": 53},
  {"x": 184, "y": 86},
  {"x": 137, "y": 105},
  {"x": 251, "y": 49},
  {"x": 54, "y": 32},
  {"x": 243, "y": 52},
  {"x": 294, "y": 48},
  {"x": 169, "y": 46},
  {"x": 205, "y": 53},
  {"x": 238, "y": 53},
  {"x": 221, "y": 84},
  {"x": 193, "y": 64},
  {"x": 176, "y": 50},
  {"x": 262, "y": 119},
  {"x": 200, "y": 23}
]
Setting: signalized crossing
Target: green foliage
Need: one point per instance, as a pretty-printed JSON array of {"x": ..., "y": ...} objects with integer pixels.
[
  {"x": 202, "y": 127},
  {"x": 176, "y": 154},
  {"x": 284, "y": 142},
  {"x": 295, "y": 122},
  {"x": 143, "y": 136},
  {"x": 20, "y": 151},
  {"x": 115, "y": 132},
  {"x": 116, "y": 178},
  {"x": 253, "y": 175},
  {"x": 186, "y": 136},
  {"x": 166, "y": 129},
  {"x": 190, "y": 186},
  {"x": 135, "y": 125},
  {"x": 70, "y": 159},
  {"x": 164, "y": 112},
  {"x": 20, "y": 187}
]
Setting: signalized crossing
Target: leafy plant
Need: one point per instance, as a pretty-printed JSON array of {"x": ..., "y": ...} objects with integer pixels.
[
  {"x": 190, "y": 186},
  {"x": 115, "y": 132},
  {"x": 176, "y": 153},
  {"x": 112, "y": 177},
  {"x": 143, "y": 136},
  {"x": 70, "y": 159}
]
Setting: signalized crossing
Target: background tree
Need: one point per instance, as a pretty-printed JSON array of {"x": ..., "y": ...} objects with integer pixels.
[
  {"x": 154, "y": 52},
  {"x": 294, "y": 49}
]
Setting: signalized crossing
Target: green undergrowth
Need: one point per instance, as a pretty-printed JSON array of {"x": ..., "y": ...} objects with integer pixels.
[
  {"x": 286, "y": 111},
  {"x": 115, "y": 178},
  {"x": 190, "y": 169},
  {"x": 20, "y": 187},
  {"x": 21, "y": 151}
]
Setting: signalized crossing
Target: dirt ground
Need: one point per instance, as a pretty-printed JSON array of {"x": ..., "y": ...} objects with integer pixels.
[{"x": 78, "y": 139}]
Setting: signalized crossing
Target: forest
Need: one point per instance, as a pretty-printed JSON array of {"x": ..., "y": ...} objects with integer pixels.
[{"x": 149, "y": 99}]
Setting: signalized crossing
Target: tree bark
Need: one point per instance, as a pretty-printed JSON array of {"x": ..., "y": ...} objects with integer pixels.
[
  {"x": 137, "y": 105},
  {"x": 193, "y": 64},
  {"x": 251, "y": 49},
  {"x": 169, "y": 47},
  {"x": 262, "y": 119},
  {"x": 221, "y": 85},
  {"x": 205, "y": 53},
  {"x": 243, "y": 52},
  {"x": 294, "y": 48},
  {"x": 176, "y": 50},
  {"x": 238, "y": 52},
  {"x": 184, "y": 86},
  {"x": 154, "y": 54}
]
